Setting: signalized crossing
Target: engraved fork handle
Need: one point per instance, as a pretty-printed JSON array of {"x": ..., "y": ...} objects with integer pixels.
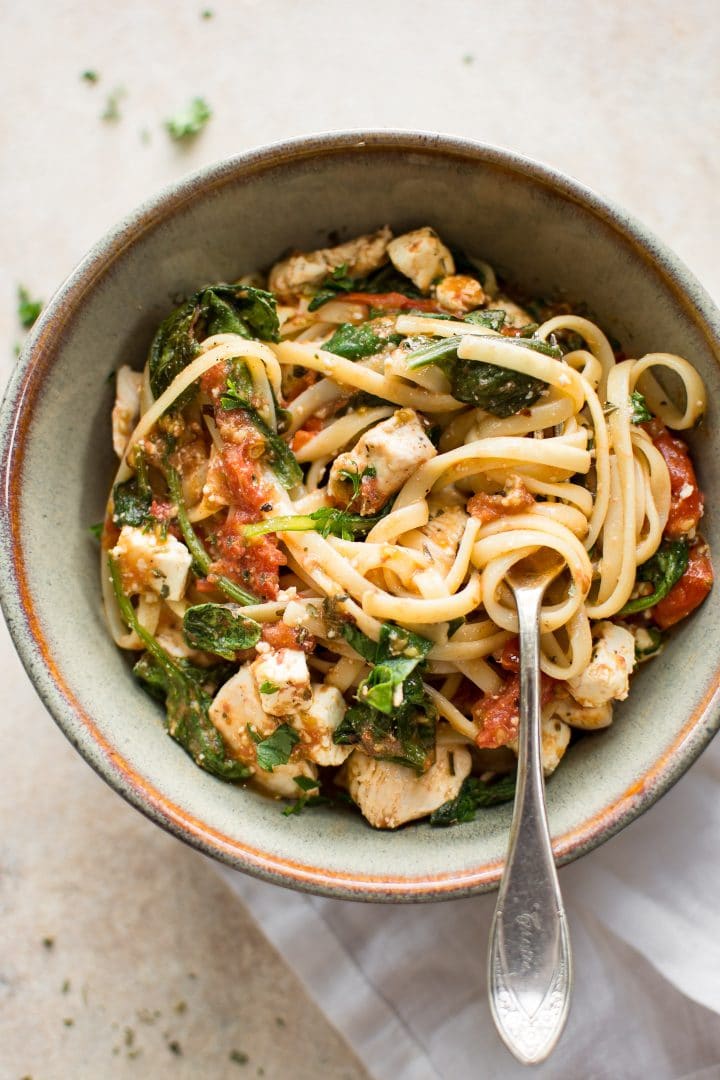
[{"x": 529, "y": 959}]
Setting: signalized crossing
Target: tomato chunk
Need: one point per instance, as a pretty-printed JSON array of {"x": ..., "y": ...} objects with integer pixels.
[
  {"x": 306, "y": 433},
  {"x": 689, "y": 592},
  {"x": 510, "y": 656},
  {"x": 498, "y": 714},
  {"x": 392, "y": 301},
  {"x": 251, "y": 563},
  {"x": 281, "y": 636},
  {"x": 686, "y": 499}
]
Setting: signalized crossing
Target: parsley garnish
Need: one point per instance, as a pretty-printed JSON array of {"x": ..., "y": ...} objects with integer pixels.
[
  {"x": 28, "y": 310},
  {"x": 189, "y": 121},
  {"x": 90, "y": 76},
  {"x": 640, "y": 413},
  {"x": 268, "y": 687},
  {"x": 355, "y": 477},
  {"x": 276, "y": 748},
  {"x": 111, "y": 112}
]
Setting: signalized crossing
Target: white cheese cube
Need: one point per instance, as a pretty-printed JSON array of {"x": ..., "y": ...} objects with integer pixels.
[{"x": 282, "y": 678}]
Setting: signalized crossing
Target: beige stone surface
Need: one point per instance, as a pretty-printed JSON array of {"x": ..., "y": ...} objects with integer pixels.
[
  {"x": 155, "y": 970},
  {"x": 121, "y": 953}
]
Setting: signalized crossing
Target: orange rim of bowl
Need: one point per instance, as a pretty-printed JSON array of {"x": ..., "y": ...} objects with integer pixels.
[{"x": 19, "y": 606}]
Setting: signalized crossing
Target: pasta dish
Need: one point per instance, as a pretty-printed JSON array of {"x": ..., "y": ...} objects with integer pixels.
[{"x": 327, "y": 474}]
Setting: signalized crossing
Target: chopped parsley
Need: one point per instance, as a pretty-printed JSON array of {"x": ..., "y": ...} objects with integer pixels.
[
  {"x": 189, "y": 122},
  {"x": 90, "y": 76},
  {"x": 268, "y": 687},
  {"x": 640, "y": 414},
  {"x": 276, "y": 748},
  {"x": 111, "y": 112},
  {"x": 28, "y": 310}
]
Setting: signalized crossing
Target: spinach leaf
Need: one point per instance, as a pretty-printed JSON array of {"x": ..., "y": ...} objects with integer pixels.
[
  {"x": 278, "y": 453},
  {"x": 354, "y": 342},
  {"x": 335, "y": 283},
  {"x": 394, "y": 718},
  {"x": 201, "y": 560},
  {"x": 189, "y": 121},
  {"x": 640, "y": 413},
  {"x": 187, "y": 703},
  {"x": 406, "y": 736},
  {"x": 664, "y": 570},
  {"x": 154, "y": 681},
  {"x": 327, "y": 520},
  {"x": 474, "y": 795},
  {"x": 219, "y": 629},
  {"x": 28, "y": 310},
  {"x": 131, "y": 503},
  {"x": 276, "y": 748},
  {"x": 397, "y": 654},
  {"x": 500, "y": 391},
  {"x": 216, "y": 309},
  {"x": 493, "y": 318}
]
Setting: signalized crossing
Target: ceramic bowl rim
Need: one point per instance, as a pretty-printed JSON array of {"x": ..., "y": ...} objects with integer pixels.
[{"x": 36, "y": 361}]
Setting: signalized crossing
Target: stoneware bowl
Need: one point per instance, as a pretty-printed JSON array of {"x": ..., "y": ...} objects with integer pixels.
[{"x": 541, "y": 230}]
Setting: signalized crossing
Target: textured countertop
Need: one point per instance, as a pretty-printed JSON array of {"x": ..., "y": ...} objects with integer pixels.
[{"x": 122, "y": 954}]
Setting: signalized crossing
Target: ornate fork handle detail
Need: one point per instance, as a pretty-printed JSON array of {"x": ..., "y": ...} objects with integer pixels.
[{"x": 530, "y": 967}]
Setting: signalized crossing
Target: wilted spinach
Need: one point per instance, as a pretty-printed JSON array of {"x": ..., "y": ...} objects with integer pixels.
[
  {"x": 664, "y": 570},
  {"x": 474, "y": 795},
  {"x": 216, "y": 309},
  {"x": 327, "y": 520},
  {"x": 186, "y": 701},
  {"x": 500, "y": 391},
  {"x": 354, "y": 342},
  {"x": 131, "y": 503},
  {"x": 394, "y": 718},
  {"x": 219, "y": 629}
]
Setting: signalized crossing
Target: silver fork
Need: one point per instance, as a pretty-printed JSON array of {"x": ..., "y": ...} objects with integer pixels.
[{"x": 529, "y": 958}]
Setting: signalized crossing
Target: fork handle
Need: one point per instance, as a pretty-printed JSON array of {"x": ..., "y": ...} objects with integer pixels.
[{"x": 529, "y": 960}]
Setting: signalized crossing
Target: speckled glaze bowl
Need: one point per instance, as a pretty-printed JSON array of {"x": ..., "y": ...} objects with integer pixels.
[{"x": 543, "y": 231}]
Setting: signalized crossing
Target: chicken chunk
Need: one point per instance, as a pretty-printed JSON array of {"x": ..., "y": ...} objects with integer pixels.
[
  {"x": 442, "y": 536},
  {"x": 588, "y": 718},
  {"x": 282, "y": 677},
  {"x": 126, "y": 410},
  {"x": 389, "y": 795},
  {"x": 381, "y": 461},
  {"x": 306, "y": 269},
  {"x": 152, "y": 563},
  {"x": 318, "y": 725},
  {"x": 459, "y": 293},
  {"x": 421, "y": 256},
  {"x": 235, "y": 711},
  {"x": 608, "y": 673},
  {"x": 554, "y": 736}
]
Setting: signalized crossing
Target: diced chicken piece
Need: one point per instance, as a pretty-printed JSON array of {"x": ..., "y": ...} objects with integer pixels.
[
  {"x": 442, "y": 536},
  {"x": 235, "y": 710},
  {"x": 421, "y": 256},
  {"x": 282, "y": 677},
  {"x": 459, "y": 293},
  {"x": 126, "y": 410},
  {"x": 151, "y": 562},
  {"x": 588, "y": 718},
  {"x": 382, "y": 460},
  {"x": 318, "y": 725},
  {"x": 306, "y": 269},
  {"x": 555, "y": 736},
  {"x": 389, "y": 795},
  {"x": 608, "y": 673}
]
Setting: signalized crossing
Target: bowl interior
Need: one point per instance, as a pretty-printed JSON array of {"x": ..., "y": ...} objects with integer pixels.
[{"x": 539, "y": 231}]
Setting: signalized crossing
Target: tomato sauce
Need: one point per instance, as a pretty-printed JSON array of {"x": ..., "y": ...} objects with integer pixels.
[
  {"x": 686, "y": 500},
  {"x": 498, "y": 714}
]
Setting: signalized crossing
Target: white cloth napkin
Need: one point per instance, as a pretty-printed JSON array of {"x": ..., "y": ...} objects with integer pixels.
[{"x": 406, "y": 984}]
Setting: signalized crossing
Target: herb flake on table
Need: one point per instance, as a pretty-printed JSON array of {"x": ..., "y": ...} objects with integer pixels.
[
  {"x": 27, "y": 309},
  {"x": 189, "y": 122},
  {"x": 111, "y": 112}
]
